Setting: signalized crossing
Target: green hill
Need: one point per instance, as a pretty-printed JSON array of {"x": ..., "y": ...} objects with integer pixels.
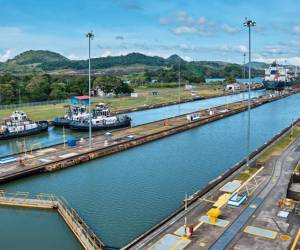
[
  {"x": 37, "y": 57},
  {"x": 43, "y": 61},
  {"x": 259, "y": 65}
]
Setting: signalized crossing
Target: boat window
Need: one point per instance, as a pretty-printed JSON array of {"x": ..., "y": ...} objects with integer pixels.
[{"x": 273, "y": 72}]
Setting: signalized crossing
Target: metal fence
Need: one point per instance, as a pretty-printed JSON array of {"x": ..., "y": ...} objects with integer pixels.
[{"x": 10, "y": 106}]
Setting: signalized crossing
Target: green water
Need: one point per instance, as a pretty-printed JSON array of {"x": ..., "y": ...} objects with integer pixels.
[{"x": 33, "y": 229}]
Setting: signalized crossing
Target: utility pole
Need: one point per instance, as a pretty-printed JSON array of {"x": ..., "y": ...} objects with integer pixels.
[
  {"x": 179, "y": 78},
  {"x": 244, "y": 71},
  {"x": 179, "y": 83},
  {"x": 249, "y": 24},
  {"x": 90, "y": 36}
]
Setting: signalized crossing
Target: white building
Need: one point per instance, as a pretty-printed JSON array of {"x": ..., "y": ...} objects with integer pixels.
[{"x": 233, "y": 86}]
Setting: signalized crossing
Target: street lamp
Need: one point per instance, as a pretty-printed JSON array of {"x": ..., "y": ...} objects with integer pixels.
[
  {"x": 179, "y": 83},
  {"x": 249, "y": 23},
  {"x": 90, "y": 36},
  {"x": 244, "y": 69}
]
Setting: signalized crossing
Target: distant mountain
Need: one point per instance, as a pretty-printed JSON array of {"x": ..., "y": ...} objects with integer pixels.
[
  {"x": 174, "y": 59},
  {"x": 258, "y": 65},
  {"x": 42, "y": 61},
  {"x": 37, "y": 57}
]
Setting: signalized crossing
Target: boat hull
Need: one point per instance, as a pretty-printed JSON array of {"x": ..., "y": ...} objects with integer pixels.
[
  {"x": 42, "y": 126},
  {"x": 61, "y": 122},
  {"x": 85, "y": 126},
  {"x": 279, "y": 84},
  {"x": 276, "y": 84}
]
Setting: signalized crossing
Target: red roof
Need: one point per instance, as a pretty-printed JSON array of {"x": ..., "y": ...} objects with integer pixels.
[{"x": 82, "y": 97}]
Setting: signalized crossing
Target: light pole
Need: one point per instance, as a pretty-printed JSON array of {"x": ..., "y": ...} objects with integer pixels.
[
  {"x": 179, "y": 83},
  {"x": 244, "y": 70},
  {"x": 249, "y": 24},
  {"x": 90, "y": 36}
]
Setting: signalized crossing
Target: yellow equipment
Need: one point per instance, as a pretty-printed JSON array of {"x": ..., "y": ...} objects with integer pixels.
[{"x": 213, "y": 214}]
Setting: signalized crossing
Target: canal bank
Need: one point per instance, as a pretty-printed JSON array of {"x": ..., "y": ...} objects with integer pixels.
[
  {"x": 125, "y": 194},
  {"x": 55, "y": 135},
  {"x": 61, "y": 156},
  {"x": 181, "y": 101},
  {"x": 165, "y": 234}
]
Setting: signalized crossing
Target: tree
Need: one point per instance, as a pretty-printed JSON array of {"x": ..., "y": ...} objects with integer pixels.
[
  {"x": 230, "y": 79},
  {"x": 122, "y": 88},
  {"x": 6, "y": 94},
  {"x": 38, "y": 88},
  {"x": 112, "y": 84},
  {"x": 105, "y": 83},
  {"x": 58, "y": 91},
  {"x": 77, "y": 86}
]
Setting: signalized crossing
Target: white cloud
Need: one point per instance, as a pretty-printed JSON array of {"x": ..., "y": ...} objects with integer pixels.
[
  {"x": 184, "y": 17},
  {"x": 202, "y": 20},
  {"x": 242, "y": 48},
  {"x": 229, "y": 29},
  {"x": 184, "y": 46},
  {"x": 185, "y": 29},
  {"x": 11, "y": 31},
  {"x": 296, "y": 30},
  {"x": 73, "y": 57},
  {"x": 164, "y": 21},
  {"x": 282, "y": 60},
  {"x": 188, "y": 58},
  {"x": 7, "y": 54},
  {"x": 106, "y": 53}
]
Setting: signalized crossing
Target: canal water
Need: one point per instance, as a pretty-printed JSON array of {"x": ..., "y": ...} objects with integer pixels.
[
  {"x": 23, "y": 229},
  {"x": 55, "y": 135},
  {"x": 123, "y": 195}
]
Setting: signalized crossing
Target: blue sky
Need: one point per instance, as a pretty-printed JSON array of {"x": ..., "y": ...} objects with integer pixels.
[{"x": 194, "y": 29}]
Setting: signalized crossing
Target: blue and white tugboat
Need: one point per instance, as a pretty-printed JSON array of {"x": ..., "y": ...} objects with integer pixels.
[
  {"x": 102, "y": 119},
  {"x": 76, "y": 113},
  {"x": 19, "y": 125}
]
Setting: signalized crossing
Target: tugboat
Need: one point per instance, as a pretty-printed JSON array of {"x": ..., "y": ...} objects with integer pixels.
[
  {"x": 19, "y": 125},
  {"x": 102, "y": 120},
  {"x": 76, "y": 113}
]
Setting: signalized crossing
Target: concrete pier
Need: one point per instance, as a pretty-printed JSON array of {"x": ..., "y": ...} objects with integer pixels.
[{"x": 60, "y": 156}]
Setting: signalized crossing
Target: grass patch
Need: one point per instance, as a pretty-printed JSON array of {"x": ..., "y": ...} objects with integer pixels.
[
  {"x": 280, "y": 145},
  {"x": 48, "y": 112},
  {"x": 245, "y": 175}
]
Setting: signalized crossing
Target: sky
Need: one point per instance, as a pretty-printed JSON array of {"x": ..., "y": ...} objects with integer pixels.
[{"x": 193, "y": 29}]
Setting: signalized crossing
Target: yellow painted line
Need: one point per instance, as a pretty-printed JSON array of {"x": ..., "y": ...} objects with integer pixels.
[
  {"x": 293, "y": 247},
  {"x": 199, "y": 225},
  {"x": 272, "y": 235}
]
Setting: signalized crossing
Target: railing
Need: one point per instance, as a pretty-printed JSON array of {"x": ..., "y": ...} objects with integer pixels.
[{"x": 10, "y": 106}]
